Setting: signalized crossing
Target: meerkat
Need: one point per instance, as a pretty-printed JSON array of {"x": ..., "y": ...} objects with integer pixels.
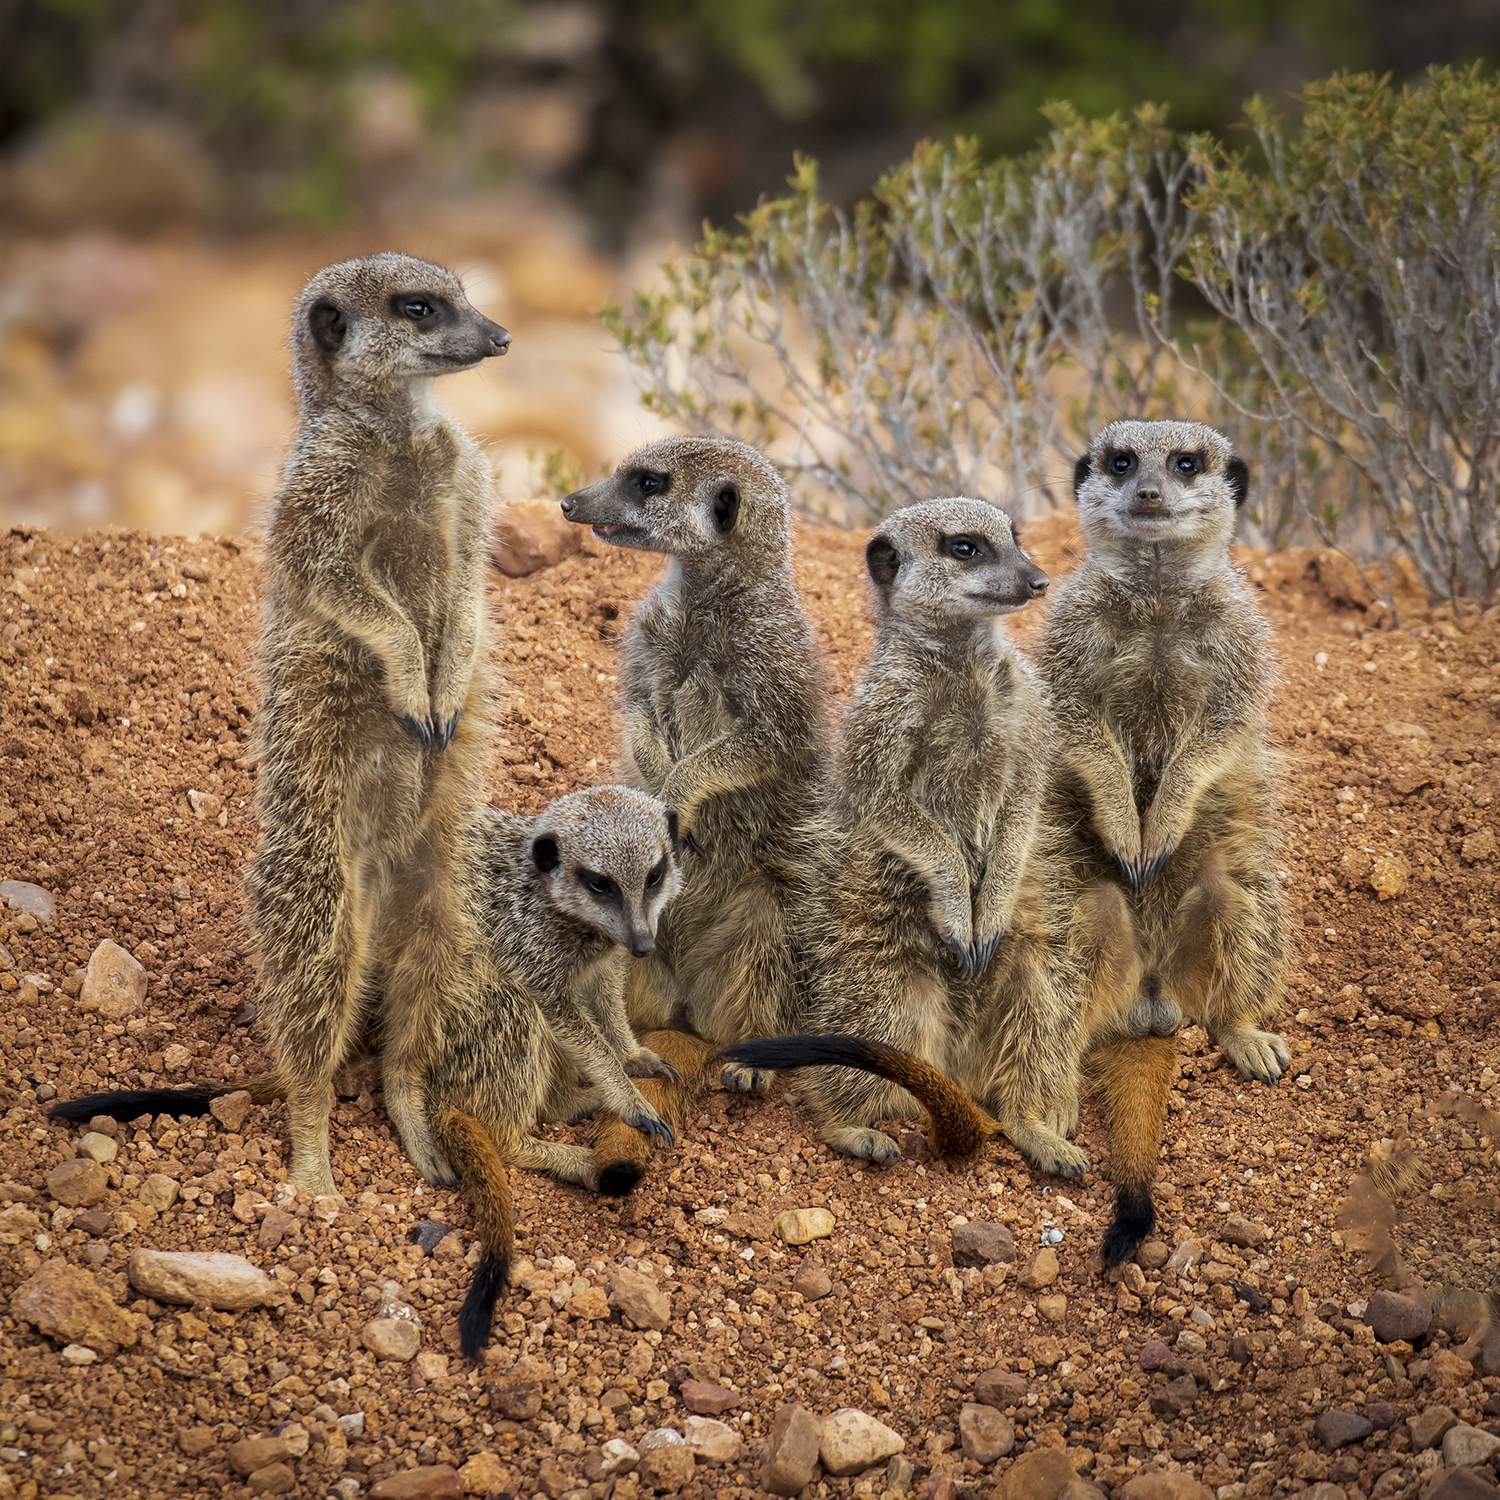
[
  {"x": 940, "y": 939},
  {"x": 571, "y": 897},
  {"x": 723, "y": 708},
  {"x": 371, "y": 670},
  {"x": 1159, "y": 670}
]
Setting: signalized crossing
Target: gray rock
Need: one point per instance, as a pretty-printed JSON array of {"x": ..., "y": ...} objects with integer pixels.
[
  {"x": 392, "y": 1338},
  {"x": 979, "y": 1243},
  {"x": 1428, "y": 1427},
  {"x": 224, "y": 1281},
  {"x": 1393, "y": 1317},
  {"x": 1461, "y": 1484},
  {"x": 1468, "y": 1445},
  {"x": 1188, "y": 1253},
  {"x": 429, "y": 1233},
  {"x": 1246, "y": 1233},
  {"x": 984, "y": 1434},
  {"x": 21, "y": 895},
  {"x": 1337, "y": 1428},
  {"x": 791, "y": 1456},
  {"x": 660, "y": 1437},
  {"x": 812, "y": 1281},
  {"x": 1000, "y": 1388},
  {"x": 1176, "y": 1397},
  {"x": 899, "y": 1475}
]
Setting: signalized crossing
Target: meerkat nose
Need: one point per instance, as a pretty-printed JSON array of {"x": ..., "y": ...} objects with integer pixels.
[
  {"x": 1038, "y": 585},
  {"x": 642, "y": 948},
  {"x": 1148, "y": 494},
  {"x": 499, "y": 337},
  {"x": 568, "y": 503}
]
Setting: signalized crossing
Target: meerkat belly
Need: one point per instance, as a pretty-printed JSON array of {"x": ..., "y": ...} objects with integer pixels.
[
  {"x": 961, "y": 779},
  {"x": 1151, "y": 698}
]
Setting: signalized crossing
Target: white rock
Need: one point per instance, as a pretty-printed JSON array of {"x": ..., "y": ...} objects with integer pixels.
[
  {"x": 715, "y": 1441},
  {"x": 223, "y": 1281},
  {"x": 800, "y": 1226},
  {"x": 78, "y": 1354},
  {"x": 114, "y": 984},
  {"x": 97, "y": 1147},
  {"x": 851, "y": 1442},
  {"x": 392, "y": 1338},
  {"x": 660, "y": 1437},
  {"x": 617, "y": 1457}
]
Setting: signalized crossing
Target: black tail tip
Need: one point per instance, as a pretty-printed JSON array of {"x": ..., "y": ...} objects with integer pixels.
[
  {"x": 617, "y": 1178},
  {"x": 129, "y": 1104},
  {"x": 1135, "y": 1218},
  {"x": 477, "y": 1316}
]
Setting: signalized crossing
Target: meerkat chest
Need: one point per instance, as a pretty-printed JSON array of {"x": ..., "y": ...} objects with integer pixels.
[
  {"x": 1156, "y": 681},
  {"x": 965, "y": 751}
]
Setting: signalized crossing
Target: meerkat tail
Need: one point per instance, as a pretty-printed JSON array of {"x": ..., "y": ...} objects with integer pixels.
[
  {"x": 959, "y": 1126},
  {"x": 623, "y": 1152},
  {"x": 126, "y": 1104},
  {"x": 473, "y": 1155},
  {"x": 1133, "y": 1078}
]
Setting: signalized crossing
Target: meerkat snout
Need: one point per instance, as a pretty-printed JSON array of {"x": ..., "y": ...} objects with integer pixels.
[{"x": 950, "y": 558}]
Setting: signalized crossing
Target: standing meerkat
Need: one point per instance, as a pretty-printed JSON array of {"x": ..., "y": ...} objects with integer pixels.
[
  {"x": 1159, "y": 669},
  {"x": 723, "y": 707},
  {"x": 370, "y": 726},
  {"x": 570, "y": 898},
  {"x": 941, "y": 937}
]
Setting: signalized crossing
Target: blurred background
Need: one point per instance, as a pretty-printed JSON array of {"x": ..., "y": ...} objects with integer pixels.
[{"x": 171, "y": 171}]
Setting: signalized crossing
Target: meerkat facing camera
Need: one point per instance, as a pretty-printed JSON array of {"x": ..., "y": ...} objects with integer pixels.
[
  {"x": 940, "y": 937},
  {"x": 570, "y": 897},
  {"x": 723, "y": 706},
  {"x": 1159, "y": 669}
]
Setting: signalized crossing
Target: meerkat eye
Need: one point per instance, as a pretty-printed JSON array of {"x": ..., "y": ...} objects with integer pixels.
[
  {"x": 651, "y": 484},
  {"x": 962, "y": 548},
  {"x": 417, "y": 309},
  {"x": 1122, "y": 463},
  {"x": 599, "y": 885},
  {"x": 1186, "y": 464},
  {"x": 657, "y": 875}
]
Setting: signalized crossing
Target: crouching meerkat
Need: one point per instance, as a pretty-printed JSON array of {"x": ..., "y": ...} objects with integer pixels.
[
  {"x": 570, "y": 898},
  {"x": 723, "y": 708},
  {"x": 370, "y": 663},
  {"x": 1159, "y": 670},
  {"x": 939, "y": 947}
]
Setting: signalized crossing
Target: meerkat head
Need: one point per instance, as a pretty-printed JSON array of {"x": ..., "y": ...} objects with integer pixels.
[
  {"x": 950, "y": 560},
  {"x": 1159, "y": 482},
  {"x": 608, "y": 858},
  {"x": 384, "y": 322},
  {"x": 691, "y": 497}
]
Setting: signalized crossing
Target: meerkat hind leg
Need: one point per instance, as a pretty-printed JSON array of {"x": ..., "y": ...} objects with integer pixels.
[
  {"x": 1262, "y": 1055},
  {"x": 564, "y": 1163},
  {"x": 1046, "y": 1148}
]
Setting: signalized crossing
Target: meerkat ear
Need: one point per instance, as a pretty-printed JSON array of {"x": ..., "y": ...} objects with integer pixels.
[
  {"x": 545, "y": 854},
  {"x": 883, "y": 561},
  {"x": 726, "y": 508},
  {"x": 672, "y": 831},
  {"x": 1081, "y": 471},
  {"x": 327, "y": 324},
  {"x": 1237, "y": 472}
]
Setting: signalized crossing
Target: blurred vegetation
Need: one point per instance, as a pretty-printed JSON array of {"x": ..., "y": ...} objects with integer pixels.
[
  {"x": 968, "y": 326},
  {"x": 266, "y": 91}
]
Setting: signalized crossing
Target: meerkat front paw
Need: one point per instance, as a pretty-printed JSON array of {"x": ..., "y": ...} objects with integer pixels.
[
  {"x": 1261, "y": 1055},
  {"x": 862, "y": 1142},
  {"x": 644, "y": 1063},
  {"x": 746, "y": 1080},
  {"x": 1061, "y": 1116}
]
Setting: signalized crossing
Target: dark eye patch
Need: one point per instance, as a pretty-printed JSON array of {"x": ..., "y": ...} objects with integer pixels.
[
  {"x": 650, "y": 482},
  {"x": 1185, "y": 465},
  {"x": 599, "y": 885},
  {"x": 1120, "y": 461},
  {"x": 418, "y": 307},
  {"x": 657, "y": 874},
  {"x": 966, "y": 548}
]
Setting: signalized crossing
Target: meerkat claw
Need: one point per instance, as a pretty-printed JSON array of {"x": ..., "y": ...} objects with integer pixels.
[
  {"x": 982, "y": 953},
  {"x": 421, "y": 728},
  {"x": 963, "y": 953},
  {"x": 668, "y": 1070},
  {"x": 657, "y": 1128},
  {"x": 448, "y": 731}
]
